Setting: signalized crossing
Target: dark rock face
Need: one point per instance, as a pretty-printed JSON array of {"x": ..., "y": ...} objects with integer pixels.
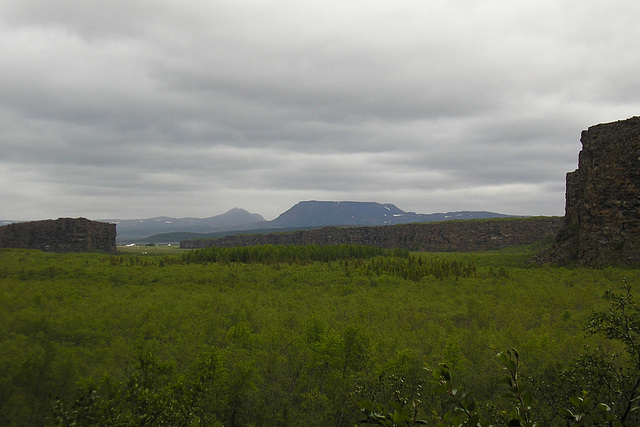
[
  {"x": 60, "y": 235},
  {"x": 602, "y": 211},
  {"x": 459, "y": 236}
]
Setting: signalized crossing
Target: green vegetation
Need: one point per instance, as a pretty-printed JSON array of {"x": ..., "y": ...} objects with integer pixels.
[
  {"x": 597, "y": 389},
  {"x": 312, "y": 336},
  {"x": 150, "y": 249},
  {"x": 305, "y": 254}
]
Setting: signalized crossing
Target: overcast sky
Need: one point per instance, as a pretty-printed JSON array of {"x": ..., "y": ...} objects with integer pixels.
[{"x": 136, "y": 109}]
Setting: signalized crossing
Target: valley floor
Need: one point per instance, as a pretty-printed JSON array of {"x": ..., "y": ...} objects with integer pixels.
[{"x": 277, "y": 340}]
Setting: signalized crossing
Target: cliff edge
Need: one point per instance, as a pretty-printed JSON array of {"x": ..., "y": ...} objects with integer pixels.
[
  {"x": 446, "y": 236},
  {"x": 602, "y": 207},
  {"x": 60, "y": 235}
]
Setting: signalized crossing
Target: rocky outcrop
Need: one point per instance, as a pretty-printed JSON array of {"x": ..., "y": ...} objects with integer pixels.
[
  {"x": 602, "y": 208},
  {"x": 459, "y": 236},
  {"x": 60, "y": 235}
]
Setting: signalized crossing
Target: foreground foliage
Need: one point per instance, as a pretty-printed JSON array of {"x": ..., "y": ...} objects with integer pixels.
[
  {"x": 266, "y": 336},
  {"x": 595, "y": 390}
]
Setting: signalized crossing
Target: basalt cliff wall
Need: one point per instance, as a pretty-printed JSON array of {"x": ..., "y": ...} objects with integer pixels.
[
  {"x": 60, "y": 235},
  {"x": 602, "y": 208},
  {"x": 447, "y": 236}
]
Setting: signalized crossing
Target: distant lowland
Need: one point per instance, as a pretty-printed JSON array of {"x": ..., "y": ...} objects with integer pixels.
[{"x": 302, "y": 216}]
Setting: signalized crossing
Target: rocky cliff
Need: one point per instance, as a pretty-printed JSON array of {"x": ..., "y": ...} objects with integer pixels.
[
  {"x": 472, "y": 235},
  {"x": 60, "y": 235},
  {"x": 602, "y": 208}
]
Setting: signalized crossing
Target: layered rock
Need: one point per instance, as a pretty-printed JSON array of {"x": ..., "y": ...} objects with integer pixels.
[
  {"x": 60, "y": 235},
  {"x": 448, "y": 236},
  {"x": 602, "y": 210}
]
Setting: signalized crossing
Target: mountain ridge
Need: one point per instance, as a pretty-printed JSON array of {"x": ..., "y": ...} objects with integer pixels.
[
  {"x": 303, "y": 215},
  {"x": 347, "y": 213},
  {"x": 312, "y": 214},
  {"x": 233, "y": 219}
]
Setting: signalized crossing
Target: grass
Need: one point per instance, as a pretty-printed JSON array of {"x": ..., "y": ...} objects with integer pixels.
[
  {"x": 287, "y": 334},
  {"x": 150, "y": 249}
]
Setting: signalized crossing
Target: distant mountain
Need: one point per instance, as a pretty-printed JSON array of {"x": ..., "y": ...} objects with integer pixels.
[
  {"x": 321, "y": 213},
  {"x": 136, "y": 229},
  {"x": 459, "y": 215},
  {"x": 302, "y": 216}
]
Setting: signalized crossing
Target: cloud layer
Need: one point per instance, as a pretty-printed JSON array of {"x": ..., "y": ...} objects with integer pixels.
[{"x": 144, "y": 108}]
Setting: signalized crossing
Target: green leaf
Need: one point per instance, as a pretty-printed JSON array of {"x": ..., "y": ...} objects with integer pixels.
[
  {"x": 445, "y": 372},
  {"x": 469, "y": 404},
  {"x": 439, "y": 388},
  {"x": 503, "y": 358},
  {"x": 576, "y": 401},
  {"x": 604, "y": 407},
  {"x": 366, "y": 405},
  {"x": 398, "y": 417}
]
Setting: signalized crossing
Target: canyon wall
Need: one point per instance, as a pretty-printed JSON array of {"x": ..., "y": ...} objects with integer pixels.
[
  {"x": 602, "y": 208},
  {"x": 447, "y": 236},
  {"x": 60, "y": 235}
]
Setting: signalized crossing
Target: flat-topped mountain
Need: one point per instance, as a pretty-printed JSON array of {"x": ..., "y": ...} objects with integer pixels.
[
  {"x": 303, "y": 215},
  {"x": 322, "y": 213}
]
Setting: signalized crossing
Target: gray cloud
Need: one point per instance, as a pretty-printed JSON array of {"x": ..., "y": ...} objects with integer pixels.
[{"x": 144, "y": 108}]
